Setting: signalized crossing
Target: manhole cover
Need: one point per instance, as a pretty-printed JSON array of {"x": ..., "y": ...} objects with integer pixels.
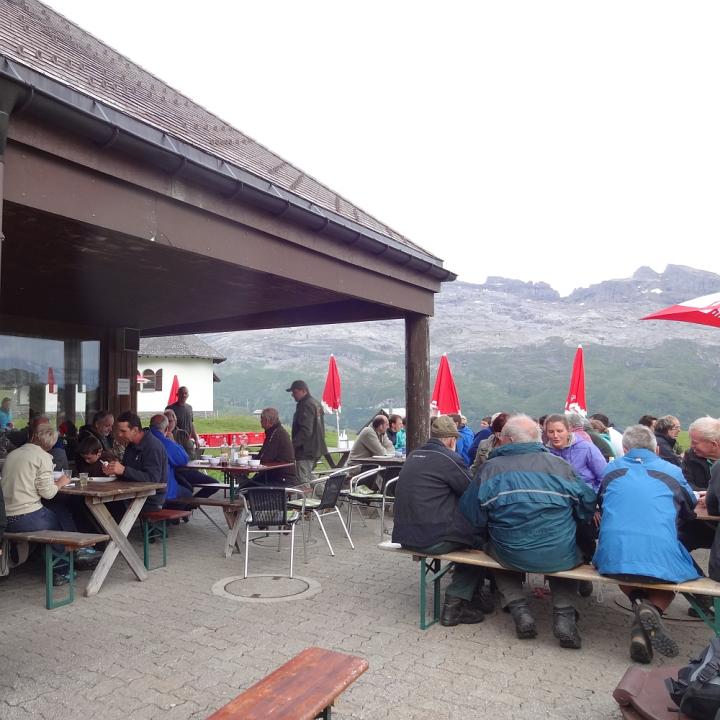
[{"x": 266, "y": 588}]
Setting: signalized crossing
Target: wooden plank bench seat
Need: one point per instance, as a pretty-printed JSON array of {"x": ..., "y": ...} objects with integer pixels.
[
  {"x": 70, "y": 541},
  {"x": 302, "y": 689},
  {"x": 232, "y": 510},
  {"x": 431, "y": 569}
]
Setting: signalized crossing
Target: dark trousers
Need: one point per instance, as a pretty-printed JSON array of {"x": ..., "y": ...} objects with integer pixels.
[
  {"x": 189, "y": 478},
  {"x": 466, "y": 578}
]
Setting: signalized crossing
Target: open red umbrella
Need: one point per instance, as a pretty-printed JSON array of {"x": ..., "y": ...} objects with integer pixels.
[
  {"x": 444, "y": 395},
  {"x": 703, "y": 310},
  {"x": 174, "y": 390},
  {"x": 332, "y": 394},
  {"x": 576, "y": 394}
]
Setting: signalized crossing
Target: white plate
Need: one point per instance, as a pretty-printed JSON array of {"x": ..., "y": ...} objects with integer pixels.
[{"x": 103, "y": 478}]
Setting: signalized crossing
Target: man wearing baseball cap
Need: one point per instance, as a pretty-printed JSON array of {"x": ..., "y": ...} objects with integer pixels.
[
  {"x": 427, "y": 517},
  {"x": 308, "y": 430}
]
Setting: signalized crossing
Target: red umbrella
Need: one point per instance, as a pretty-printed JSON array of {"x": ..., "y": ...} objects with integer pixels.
[
  {"x": 51, "y": 381},
  {"x": 174, "y": 390},
  {"x": 704, "y": 310},
  {"x": 576, "y": 394},
  {"x": 332, "y": 394},
  {"x": 445, "y": 396}
]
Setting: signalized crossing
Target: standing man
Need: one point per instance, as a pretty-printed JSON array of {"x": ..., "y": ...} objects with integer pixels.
[
  {"x": 184, "y": 414},
  {"x": 145, "y": 459},
  {"x": 308, "y": 430}
]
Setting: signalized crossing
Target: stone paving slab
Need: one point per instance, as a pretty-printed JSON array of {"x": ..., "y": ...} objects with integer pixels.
[{"x": 169, "y": 648}]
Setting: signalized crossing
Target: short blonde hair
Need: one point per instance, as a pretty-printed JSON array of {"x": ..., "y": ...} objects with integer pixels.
[{"x": 45, "y": 436}]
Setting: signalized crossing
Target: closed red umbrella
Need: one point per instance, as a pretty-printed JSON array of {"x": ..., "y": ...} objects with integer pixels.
[
  {"x": 51, "y": 381},
  {"x": 576, "y": 394},
  {"x": 174, "y": 390},
  {"x": 703, "y": 310},
  {"x": 332, "y": 394},
  {"x": 444, "y": 395}
]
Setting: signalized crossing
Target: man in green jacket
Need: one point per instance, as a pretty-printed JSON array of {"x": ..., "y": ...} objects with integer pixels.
[
  {"x": 308, "y": 430},
  {"x": 530, "y": 500}
]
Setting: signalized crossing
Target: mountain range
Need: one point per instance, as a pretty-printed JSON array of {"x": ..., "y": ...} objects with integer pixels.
[{"x": 510, "y": 345}]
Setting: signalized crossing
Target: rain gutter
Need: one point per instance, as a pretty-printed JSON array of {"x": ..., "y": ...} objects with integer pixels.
[{"x": 107, "y": 127}]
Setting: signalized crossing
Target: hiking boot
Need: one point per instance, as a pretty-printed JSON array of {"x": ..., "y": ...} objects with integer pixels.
[
  {"x": 524, "y": 622},
  {"x": 651, "y": 620},
  {"x": 457, "y": 611},
  {"x": 564, "y": 627},
  {"x": 640, "y": 647},
  {"x": 585, "y": 588},
  {"x": 483, "y": 599}
]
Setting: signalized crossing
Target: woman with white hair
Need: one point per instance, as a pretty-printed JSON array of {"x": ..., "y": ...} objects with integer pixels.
[{"x": 27, "y": 480}]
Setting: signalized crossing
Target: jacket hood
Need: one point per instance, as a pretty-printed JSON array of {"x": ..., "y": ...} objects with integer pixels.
[{"x": 517, "y": 449}]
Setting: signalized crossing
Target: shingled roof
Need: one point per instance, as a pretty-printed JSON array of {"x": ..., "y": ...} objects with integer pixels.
[
  {"x": 183, "y": 346},
  {"x": 41, "y": 39}
]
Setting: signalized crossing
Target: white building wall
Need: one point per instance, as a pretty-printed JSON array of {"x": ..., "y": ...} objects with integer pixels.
[{"x": 195, "y": 373}]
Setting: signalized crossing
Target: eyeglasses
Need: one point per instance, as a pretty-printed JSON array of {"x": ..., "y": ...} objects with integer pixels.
[{"x": 675, "y": 427}]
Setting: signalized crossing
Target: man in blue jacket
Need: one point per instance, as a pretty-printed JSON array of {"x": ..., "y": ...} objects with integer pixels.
[
  {"x": 427, "y": 517},
  {"x": 644, "y": 500},
  {"x": 176, "y": 457},
  {"x": 531, "y": 501}
]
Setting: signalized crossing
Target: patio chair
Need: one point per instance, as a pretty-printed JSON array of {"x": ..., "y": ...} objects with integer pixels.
[
  {"x": 386, "y": 500},
  {"x": 363, "y": 498},
  {"x": 325, "y": 505},
  {"x": 267, "y": 508}
]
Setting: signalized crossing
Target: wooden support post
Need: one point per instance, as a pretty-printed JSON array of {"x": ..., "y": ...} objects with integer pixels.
[{"x": 417, "y": 380}]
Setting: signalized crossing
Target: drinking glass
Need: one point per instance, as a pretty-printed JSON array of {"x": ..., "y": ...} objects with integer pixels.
[{"x": 83, "y": 479}]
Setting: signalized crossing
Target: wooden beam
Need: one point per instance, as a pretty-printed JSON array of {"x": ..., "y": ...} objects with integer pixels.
[{"x": 417, "y": 379}]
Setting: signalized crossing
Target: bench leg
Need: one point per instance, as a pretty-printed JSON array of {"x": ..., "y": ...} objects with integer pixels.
[
  {"x": 154, "y": 531},
  {"x": 712, "y": 623},
  {"x": 430, "y": 569},
  {"x": 52, "y": 560}
]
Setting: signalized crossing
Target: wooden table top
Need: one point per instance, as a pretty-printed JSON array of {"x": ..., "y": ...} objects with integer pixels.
[
  {"x": 702, "y": 514},
  {"x": 112, "y": 488}
]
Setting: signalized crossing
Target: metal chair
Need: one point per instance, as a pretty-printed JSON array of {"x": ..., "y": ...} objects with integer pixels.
[
  {"x": 267, "y": 507},
  {"x": 326, "y": 505},
  {"x": 386, "y": 499},
  {"x": 366, "y": 499}
]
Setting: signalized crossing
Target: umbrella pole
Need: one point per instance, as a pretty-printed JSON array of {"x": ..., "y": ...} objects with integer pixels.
[{"x": 337, "y": 420}]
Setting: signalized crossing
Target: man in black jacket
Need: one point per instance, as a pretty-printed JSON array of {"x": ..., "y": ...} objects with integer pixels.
[
  {"x": 308, "y": 430},
  {"x": 145, "y": 459},
  {"x": 427, "y": 518},
  {"x": 667, "y": 429}
]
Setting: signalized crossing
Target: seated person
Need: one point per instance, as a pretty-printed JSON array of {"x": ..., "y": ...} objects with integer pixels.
[
  {"x": 395, "y": 423},
  {"x": 466, "y": 438},
  {"x": 696, "y": 470},
  {"x": 530, "y": 501},
  {"x": 277, "y": 447},
  {"x": 180, "y": 436},
  {"x": 175, "y": 455},
  {"x": 144, "y": 458},
  {"x": 644, "y": 499},
  {"x": 101, "y": 428},
  {"x": 372, "y": 440},
  {"x": 28, "y": 488},
  {"x": 428, "y": 519},
  {"x": 90, "y": 455}
]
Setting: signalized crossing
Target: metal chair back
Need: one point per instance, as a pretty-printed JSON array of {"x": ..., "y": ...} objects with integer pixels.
[
  {"x": 268, "y": 506},
  {"x": 331, "y": 493}
]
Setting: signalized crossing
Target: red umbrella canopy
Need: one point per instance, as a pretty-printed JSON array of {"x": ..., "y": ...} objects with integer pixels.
[
  {"x": 445, "y": 395},
  {"x": 703, "y": 310},
  {"x": 174, "y": 390},
  {"x": 576, "y": 394},
  {"x": 332, "y": 394}
]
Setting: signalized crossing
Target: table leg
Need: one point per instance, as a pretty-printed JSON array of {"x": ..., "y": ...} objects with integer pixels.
[
  {"x": 234, "y": 521},
  {"x": 118, "y": 543}
]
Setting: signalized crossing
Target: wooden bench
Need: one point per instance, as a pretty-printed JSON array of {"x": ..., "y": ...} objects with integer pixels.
[
  {"x": 431, "y": 569},
  {"x": 303, "y": 688},
  {"x": 70, "y": 541},
  {"x": 231, "y": 510},
  {"x": 154, "y": 525}
]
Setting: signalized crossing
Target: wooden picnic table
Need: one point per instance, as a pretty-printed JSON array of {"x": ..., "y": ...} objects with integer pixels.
[
  {"x": 97, "y": 495},
  {"x": 384, "y": 460},
  {"x": 233, "y": 472},
  {"x": 342, "y": 457}
]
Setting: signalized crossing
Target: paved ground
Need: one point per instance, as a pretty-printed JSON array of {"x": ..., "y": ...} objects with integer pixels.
[{"x": 170, "y": 648}]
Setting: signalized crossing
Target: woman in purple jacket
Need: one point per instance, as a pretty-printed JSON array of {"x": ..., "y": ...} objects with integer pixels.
[{"x": 585, "y": 458}]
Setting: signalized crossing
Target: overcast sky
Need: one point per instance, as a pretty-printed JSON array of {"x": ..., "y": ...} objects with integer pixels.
[{"x": 569, "y": 142}]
